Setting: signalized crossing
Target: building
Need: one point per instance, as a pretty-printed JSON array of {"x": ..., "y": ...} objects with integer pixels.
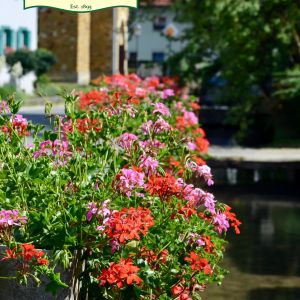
[
  {"x": 86, "y": 45},
  {"x": 18, "y": 27},
  {"x": 149, "y": 44},
  {"x": 18, "y": 30}
]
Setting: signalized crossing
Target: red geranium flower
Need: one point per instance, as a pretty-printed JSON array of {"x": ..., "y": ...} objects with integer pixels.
[
  {"x": 93, "y": 99},
  {"x": 234, "y": 222},
  {"x": 28, "y": 254},
  {"x": 87, "y": 124},
  {"x": 163, "y": 186},
  {"x": 129, "y": 224},
  {"x": 199, "y": 264},
  {"x": 202, "y": 144},
  {"x": 181, "y": 293},
  {"x": 187, "y": 211},
  {"x": 195, "y": 106},
  {"x": 199, "y": 161},
  {"x": 121, "y": 273},
  {"x": 208, "y": 243},
  {"x": 154, "y": 258}
]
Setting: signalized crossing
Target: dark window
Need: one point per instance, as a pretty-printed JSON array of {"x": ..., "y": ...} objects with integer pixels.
[
  {"x": 132, "y": 56},
  {"x": 8, "y": 38},
  {"x": 158, "y": 57},
  {"x": 23, "y": 38},
  {"x": 132, "y": 61},
  {"x": 159, "y": 23},
  {"x": 122, "y": 56}
]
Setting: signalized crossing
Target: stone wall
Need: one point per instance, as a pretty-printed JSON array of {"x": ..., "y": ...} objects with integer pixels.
[
  {"x": 86, "y": 45},
  {"x": 101, "y": 42},
  {"x": 11, "y": 290},
  {"x": 58, "y": 33}
]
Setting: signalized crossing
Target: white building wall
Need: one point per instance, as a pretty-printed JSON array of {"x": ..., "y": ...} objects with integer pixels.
[
  {"x": 151, "y": 40},
  {"x": 14, "y": 18},
  {"x": 13, "y": 15}
]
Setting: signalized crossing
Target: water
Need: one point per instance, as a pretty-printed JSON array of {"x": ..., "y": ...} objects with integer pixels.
[{"x": 264, "y": 261}]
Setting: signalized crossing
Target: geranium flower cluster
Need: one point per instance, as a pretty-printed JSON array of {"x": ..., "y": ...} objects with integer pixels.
[
  {"x": 198, "y": 263},
  {"x": 118, "y": 274},
  {"x": 122, "y": 178},
  {"x": 87, "y": 124},
  {"x": 128, "y": 224},
  {"x": 10, "y": 218},
  {"x": 129, "y": 180},
  {"x": 56, "y": 148},
  {"x": 26, "y": 254},
  {"x": 4, "y": 108},
  {"x": 18, "y": 124}
]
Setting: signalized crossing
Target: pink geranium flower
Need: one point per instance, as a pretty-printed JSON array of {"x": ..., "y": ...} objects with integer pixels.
[
  {"x": 202, "y": 171},
  {"x": 161, "y": 125},
  {"x": 190, "y": 117},
  {"x": 162, "y": 109},
  {"x": 126, "y": 140},
  {"x": 146, "y": 127},
  {"x": 221, "y": 223},
  {"x": 165, "y": 94},
  {"x": 149, "y": 164},
  {"x": 130, "y": 180},
  {"x": 10, "y": 218}
]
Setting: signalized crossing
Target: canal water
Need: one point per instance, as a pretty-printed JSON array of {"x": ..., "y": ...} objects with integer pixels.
[{"x": 264, "y": 260}]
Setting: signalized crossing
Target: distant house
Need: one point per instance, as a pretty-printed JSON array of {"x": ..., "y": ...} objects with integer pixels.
[
  {"x": 18, "y": 30},
  {"x": 18, "y": 27},
  {"x": 85, "y": 45},
  {"x": 150, "y": 45}
]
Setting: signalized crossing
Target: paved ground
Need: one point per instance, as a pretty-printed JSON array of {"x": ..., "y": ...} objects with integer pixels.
[
  {"x": 40, "y": 109},
  {"x": 255, "y": 154}
]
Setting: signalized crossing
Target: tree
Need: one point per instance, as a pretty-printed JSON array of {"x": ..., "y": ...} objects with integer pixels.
[
  {"x": 251, "y": 45},
  {"x": 44, "y": 60},
  {"x": 25, "y": 57},
  {"x": 39, "y": 61}
]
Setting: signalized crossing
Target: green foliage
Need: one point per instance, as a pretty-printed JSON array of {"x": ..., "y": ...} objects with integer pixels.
[
  {"x": 55, "y": 282},
  {"x": 25, "y": 57},
  {"x": 39, "y": 61},
  {"x": 6, "y": 91},
  {"x": 44, "y": 59},
  {"x": 247, "y": 44}
]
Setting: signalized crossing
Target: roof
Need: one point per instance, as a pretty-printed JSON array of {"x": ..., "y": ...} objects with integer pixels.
[{"x": 156, "y": 2}]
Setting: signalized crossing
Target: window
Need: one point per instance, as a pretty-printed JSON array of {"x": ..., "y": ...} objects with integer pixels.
[
  {"x": 132, "y": 61},
  {"x": 23, "y": 38},
  {"x": 133, "y": 56},
  {"x": 158, "y": 57},
  {"x": 159, "y": 23},
  {"x": 6, "y": 40}
]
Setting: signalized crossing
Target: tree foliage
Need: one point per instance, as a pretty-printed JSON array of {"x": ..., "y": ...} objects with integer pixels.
[
  {"x": 253, "y": 46},
  {"x": 39, "y": 61}
]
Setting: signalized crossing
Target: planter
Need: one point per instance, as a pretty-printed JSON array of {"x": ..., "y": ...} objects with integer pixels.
[{"x": 11, "y": 290}]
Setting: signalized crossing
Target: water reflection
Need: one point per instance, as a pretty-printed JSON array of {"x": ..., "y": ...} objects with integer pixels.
[
  {"x": 264, "y": 261},
  {"x": 275, "y": 294}
]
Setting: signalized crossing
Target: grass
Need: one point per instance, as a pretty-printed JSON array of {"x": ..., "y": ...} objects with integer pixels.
[
  {"x": 56, "y": 88},
  {"x": 43, "y": 91}
]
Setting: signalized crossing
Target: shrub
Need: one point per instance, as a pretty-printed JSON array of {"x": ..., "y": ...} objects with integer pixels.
[
  {"x": 44, "y": 60},
  {"x": 25, "y": 57},
  {"x": 6, "y": 91},
  {"x": 112, "y": 180},
  {"x": 39, "y": 61}
]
